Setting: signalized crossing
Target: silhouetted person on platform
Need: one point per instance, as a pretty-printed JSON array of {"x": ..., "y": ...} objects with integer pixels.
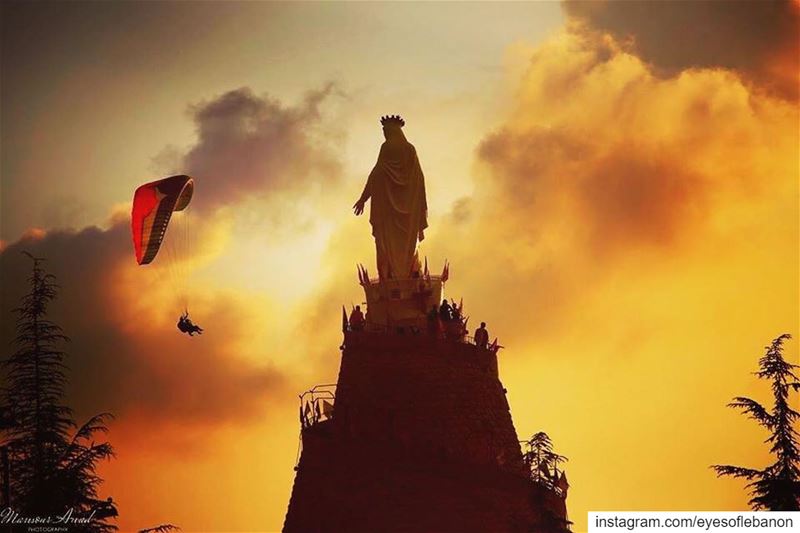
[
  {"x": 455, "y": 311},
  {"x": 445, "y": 311},
  {"x": 186, "y": 326},
  {"x": 357, "y": 319},
  {"x": 433, "y": 313},
  {"x": 433, "y": 320},
  {"x": 481, "y": 336}
]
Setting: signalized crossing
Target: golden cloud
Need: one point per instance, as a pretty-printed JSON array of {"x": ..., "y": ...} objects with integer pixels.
[
  {"x": 126, "y": 355},
  {"x": 633, "y": 241},
  {"x": 600, "y": 160}
]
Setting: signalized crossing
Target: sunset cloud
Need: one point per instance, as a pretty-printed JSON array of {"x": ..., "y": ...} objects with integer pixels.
[
  {"x": 265, "y": 170},
  {"x": 254, "y": 147},
  {"x": 757, "y": 39},
  {"x": 632, "y": 240},
  {"x": 126, "y": 356},
  {"x": 622, "y": 211},
  {"x": 601, "y": 161}
]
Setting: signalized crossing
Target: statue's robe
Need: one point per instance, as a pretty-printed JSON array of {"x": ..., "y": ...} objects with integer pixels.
[{"x": 398, "y": 207}]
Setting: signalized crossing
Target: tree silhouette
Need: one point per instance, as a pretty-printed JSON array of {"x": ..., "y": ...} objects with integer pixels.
[
  {"x": 776, "y": 487},
  {"x": 543, "y": 464},
  {"x": 542, "y": 460},
  {"x": 52, "y": 461},
  {"x": 163, "y": 528}
]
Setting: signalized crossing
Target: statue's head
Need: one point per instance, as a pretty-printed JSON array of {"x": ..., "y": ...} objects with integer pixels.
[{"x": 391, "y": 126}]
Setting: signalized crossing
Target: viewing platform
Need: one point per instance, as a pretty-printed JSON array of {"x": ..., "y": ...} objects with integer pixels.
[{"x": 402, "y": 302}]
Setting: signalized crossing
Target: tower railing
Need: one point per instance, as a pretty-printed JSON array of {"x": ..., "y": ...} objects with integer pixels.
[
  {"x": 370, "y": 329},
  {"x": 429, "y": 277},
  {"x": 316, "y": 405}
]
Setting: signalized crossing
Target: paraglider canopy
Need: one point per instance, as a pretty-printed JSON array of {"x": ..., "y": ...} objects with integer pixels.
[{"x": 153, "y": 205}]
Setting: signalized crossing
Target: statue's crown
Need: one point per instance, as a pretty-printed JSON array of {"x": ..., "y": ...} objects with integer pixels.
[{"x": 393, "y": 119}]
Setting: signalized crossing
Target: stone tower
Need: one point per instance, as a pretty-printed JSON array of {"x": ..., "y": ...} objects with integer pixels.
[{"x": 416, "y": 435}]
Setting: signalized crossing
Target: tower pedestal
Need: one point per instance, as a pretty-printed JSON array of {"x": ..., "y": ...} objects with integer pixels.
[
  {"x": 401, "y": 304},
  {"x": 420, "y": 439}
]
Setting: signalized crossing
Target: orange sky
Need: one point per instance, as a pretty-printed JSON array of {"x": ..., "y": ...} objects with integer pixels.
[{"x": 623, "y": 216}]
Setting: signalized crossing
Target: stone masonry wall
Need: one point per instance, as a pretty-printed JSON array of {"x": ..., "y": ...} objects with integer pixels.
[
  {"x": 426, "y": 397},
  {"x": 421, "y": 440}
]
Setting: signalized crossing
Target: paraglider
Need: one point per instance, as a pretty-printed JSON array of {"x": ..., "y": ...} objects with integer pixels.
[
  {"x": 185, "y": 325},
  {"x": 154, "y": 204}
]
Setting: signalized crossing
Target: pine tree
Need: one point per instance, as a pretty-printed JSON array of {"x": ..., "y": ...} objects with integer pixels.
[
  {"x": 52, "y": 461},
  {"x": 543, "y": 463},
  {"x": 776, "y": 487},
  {"x": 542, "y": 460}
]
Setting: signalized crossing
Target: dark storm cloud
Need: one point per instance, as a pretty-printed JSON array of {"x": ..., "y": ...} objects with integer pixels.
[
  {"x": 760, "y": 39},
  {"x": 122, "y": 357},
  {"x": 254, "y": 146},
  {"x": 51, "y": 34}
]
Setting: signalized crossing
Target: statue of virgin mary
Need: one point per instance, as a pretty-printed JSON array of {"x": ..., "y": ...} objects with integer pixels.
[{"x": 398, "y": 207}]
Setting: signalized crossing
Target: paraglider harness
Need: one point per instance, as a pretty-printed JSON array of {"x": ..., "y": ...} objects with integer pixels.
[{"x": 185, "y": 325}]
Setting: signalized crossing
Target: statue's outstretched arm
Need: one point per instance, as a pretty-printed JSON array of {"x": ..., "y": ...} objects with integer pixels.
[
  {"x": 358, "y": 207},
  {"x": 367, "y": 192}
]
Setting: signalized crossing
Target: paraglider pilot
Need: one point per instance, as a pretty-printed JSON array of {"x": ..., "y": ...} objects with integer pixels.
[{"x": 186, "y": 326}]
